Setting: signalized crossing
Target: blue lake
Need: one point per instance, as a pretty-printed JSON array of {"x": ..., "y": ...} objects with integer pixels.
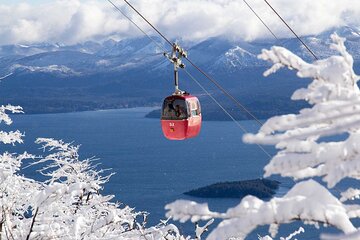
[{"x": 150, "y": 170}]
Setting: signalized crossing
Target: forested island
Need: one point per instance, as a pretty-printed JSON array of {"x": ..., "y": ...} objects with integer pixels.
[{"x": 261, "y": 188}]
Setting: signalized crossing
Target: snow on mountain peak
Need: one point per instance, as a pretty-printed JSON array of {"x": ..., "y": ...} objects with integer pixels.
[
  {"x": 24, "y": 46},
  {"x": 215, "y": 54},
  {"x": 237, "y": 58},
  {"x": 63, "y": 70},
  {"x": 235, "y": 52}
]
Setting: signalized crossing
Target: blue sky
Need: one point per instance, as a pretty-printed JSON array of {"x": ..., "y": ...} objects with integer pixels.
[{"x": 73, "y": 21}]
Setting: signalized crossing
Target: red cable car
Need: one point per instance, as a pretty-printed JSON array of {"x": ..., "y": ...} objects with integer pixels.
[
  {"x": 181, "y": 112},
  {"x": 181, "y": 117}
]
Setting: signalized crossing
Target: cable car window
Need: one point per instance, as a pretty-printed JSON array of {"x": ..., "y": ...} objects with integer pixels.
[
  {"x": 195, "y": 108},
  {"x": 174, "y": 109},
  {"x": 198, "y": 107}
]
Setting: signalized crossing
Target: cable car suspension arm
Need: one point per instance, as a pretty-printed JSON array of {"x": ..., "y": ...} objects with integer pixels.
[
  {"x": 175, "y": 58},
  {"x": 192, "y": 63},
  {"x": 177, "y": 54}
]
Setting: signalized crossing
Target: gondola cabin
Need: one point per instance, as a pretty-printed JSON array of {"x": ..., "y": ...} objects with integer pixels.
[{"x": 181, "y": 117}]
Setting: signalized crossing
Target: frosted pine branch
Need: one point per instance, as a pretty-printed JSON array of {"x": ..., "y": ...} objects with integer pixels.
[
  {"x": 63, "y": 162},
  {"x": 305, "y": 150},
  {"x": 69, "y": 204},
  {"x": 11, "y": 137},
  {"x": 333, "y": 70},
  {"x": 199, "y": 231},
  {"x": 11, "y": 163},
  {"x": 350, "y": 194},
  {"x": 313, "y": 204},
  {"x": 297, "y": 232},
  {"x": 336, "y": 107},
  {"x": 4, "y": 116}
]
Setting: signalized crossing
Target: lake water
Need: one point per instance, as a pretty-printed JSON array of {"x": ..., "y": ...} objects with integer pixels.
[{"x": 150, "y": 170}]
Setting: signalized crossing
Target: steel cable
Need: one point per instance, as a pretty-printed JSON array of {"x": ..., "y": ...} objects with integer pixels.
[{"x": 302, "y": 42}]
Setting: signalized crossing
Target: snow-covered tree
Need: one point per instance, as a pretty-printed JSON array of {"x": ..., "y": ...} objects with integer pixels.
[
  {"x": 305, "y": 152},
  {"x": 69, "y": 203},
  {"x": 15, "y": 190}
]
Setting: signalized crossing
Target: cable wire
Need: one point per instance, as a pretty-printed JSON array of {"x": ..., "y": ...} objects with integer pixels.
[
  {"x": 138, "y": 27},
  {"x": 224, "y": 91},
  {"x": 223, "y": 108},
  {"x": 268, "y": 28},
  {"x": 192, "y": 63},
  {"x": 202, "y": 72},
  {"x": 205, "y": 74},
  {"x": 303, "y": 43},
  {"x": 167, "y": 40}
]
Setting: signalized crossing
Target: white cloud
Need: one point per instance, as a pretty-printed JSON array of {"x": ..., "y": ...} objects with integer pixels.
[{"x": 72, "y": 21}]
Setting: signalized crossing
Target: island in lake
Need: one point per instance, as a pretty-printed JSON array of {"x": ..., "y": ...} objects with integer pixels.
[{"x": 261, "y": 188}]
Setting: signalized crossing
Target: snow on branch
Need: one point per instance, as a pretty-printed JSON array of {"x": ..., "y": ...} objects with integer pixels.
[
  {"x": 63, "y": 163},
  {"x": 301, "y": 230},
  {"x": 335, "y": 97},
  {"x": 297, "y": 232},
  {"x": 184, "y": 210},
  {"x": 307, "y": 201},
  {"x": 350, "y": 194},
  {"x": 69, "y": 203},
  {"x": 334, "y": 70},
  {"x": 11, "y": 137},
  {"x": 11, "y": 163},
  {"x": 320, "y": 141},
  {"x": 4, "y": 116},
  {"x": 73, "y": 194}
]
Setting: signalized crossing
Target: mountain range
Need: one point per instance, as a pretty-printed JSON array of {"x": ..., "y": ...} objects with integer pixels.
[{"x": 53, "y": 77}]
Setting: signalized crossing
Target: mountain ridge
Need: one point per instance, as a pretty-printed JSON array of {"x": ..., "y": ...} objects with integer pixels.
[{"x": 133, "y": 72}]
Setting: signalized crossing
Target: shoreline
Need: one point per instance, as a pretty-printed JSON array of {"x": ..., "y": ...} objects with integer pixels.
[
  {"x": 151, "y": 108},
  {"x": 152, "y": 112}
]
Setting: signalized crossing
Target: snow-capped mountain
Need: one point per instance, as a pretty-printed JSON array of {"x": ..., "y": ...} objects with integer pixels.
[
  {"x": 215, "y": 54},
  {"x": 84, "y": 59},
  {"x": 133, "y": 69}
]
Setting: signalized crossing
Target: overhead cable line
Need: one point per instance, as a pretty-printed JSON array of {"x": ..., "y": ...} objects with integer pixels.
[
  {"x": 198, "y": 68},
  {"x": 206, "y": 75},
  {"x": 268, "y": 28},
  {"x": 202, "y": 72},
  {"x": 217, "y": 103},
  {"x": 302, "y": 42},
  {"x": 223, "y": 108},
  {"x": 224, "y": 91},
  {"x": 167, "y": 40},
  {"x": 137, "y": 26}
]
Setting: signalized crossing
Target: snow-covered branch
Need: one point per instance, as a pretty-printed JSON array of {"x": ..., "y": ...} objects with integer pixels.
[
  {"x": 69, "y": 203},
  {"x": 307, "y": 201},
  {"x": 350, "y": 194},
  {"x": 336, "y": 107},
  {"x": 297, "y": 232},
  {"x": 320, "y": 141},
  {"x": 336, "y": 70},
  {"x": 4, "y": 116},
  {"x": 11, "y": 163},
  {"x": 11, "y": 137}
]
